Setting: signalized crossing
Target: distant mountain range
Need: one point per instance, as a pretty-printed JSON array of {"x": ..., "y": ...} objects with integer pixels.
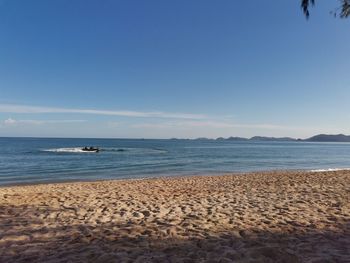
[
  {"x": 316, "y": 138},
  {"x": 256, "y": 138},
  {"x": 329, "y": 138}
]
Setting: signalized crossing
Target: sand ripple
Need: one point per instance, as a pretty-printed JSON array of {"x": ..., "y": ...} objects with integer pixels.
[{"x": 261, "y": 217}]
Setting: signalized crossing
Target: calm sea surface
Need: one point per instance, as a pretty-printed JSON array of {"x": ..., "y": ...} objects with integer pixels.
[{"x": 27, "y": 160}]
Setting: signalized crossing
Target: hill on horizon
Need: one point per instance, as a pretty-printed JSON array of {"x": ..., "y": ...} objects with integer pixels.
[
  {"x": 329, "y": 138},
  {"x": 316, "y": 138}
]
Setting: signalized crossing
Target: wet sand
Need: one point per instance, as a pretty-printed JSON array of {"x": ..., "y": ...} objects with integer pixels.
[{"x": 258, "y": 217}]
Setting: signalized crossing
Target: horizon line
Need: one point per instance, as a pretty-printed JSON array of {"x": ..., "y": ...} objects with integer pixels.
[{"x": 172, "y": 138}]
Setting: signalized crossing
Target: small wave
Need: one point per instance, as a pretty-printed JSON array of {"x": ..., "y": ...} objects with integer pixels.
[
  {"x": 116, "y": 149},
  {"x": 67, "y": 150},
  {"x": 330, "y": 170},
  {"x": 134, "y": 150}
]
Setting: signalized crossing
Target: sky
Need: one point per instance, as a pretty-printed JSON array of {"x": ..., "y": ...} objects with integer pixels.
[{"x": 163, "y": 69}]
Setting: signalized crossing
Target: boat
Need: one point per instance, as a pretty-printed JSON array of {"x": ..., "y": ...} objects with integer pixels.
[{"x": 90, "y": 149}]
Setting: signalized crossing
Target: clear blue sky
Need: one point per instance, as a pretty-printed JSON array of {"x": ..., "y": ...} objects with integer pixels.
[{"x": 160, "y": 69}]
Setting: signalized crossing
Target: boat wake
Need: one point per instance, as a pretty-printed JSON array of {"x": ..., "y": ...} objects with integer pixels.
[
  {"x": 111, "y": 150},
  {"x": 67, "y": 150}
]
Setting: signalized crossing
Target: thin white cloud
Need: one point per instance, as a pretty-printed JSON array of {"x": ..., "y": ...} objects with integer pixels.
[
  {"x": 214, "y": 124},
  {"x": 10, "y": 108},
  {"x": 11, "y": 122},
  {"x": 168, "y": 124}
]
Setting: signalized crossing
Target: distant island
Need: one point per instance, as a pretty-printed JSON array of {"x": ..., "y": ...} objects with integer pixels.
[
  {"x": 316, "y": 138},
  {"x": 329, "y": 138}
]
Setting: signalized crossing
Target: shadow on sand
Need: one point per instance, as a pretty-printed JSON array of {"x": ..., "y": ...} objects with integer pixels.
[{"x": 24, "y": 237}]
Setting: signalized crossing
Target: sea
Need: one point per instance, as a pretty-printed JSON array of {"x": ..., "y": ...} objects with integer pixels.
[{"x": 43, "y": 160}]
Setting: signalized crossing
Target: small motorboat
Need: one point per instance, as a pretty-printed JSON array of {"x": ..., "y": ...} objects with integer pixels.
[{"x": 90, "y": 149}]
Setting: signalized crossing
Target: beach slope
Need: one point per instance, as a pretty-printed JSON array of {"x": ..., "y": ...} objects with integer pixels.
[{"x": 257, "y": 217}]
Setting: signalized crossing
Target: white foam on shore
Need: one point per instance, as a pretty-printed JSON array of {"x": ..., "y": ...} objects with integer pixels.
[
  {"x": 330, "y": 170},
  {"x": 67, "y": 150}
]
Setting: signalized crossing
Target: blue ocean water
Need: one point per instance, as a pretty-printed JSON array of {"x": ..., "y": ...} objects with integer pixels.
[{"x": 33, "y": 160}]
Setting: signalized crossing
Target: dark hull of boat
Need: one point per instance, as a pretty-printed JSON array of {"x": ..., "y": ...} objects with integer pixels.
[{"x": 91, "y": 150}]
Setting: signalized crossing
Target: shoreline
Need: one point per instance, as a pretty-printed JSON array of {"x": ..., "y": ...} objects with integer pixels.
[
  {"x": 278, "y": 216},
  {"x": 131, "y": 178},
  {"x": 67, "y": 181}
]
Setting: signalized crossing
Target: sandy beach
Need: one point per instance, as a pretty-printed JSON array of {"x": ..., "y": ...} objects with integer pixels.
[{"x": 258, "y": 217}]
